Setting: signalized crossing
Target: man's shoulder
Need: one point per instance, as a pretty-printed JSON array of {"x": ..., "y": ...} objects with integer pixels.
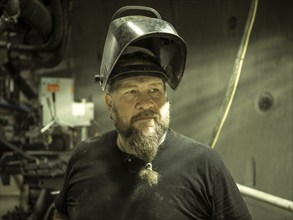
[
  {"x": 188, "y": 148},
  {"x": 183, "y": 144},
  {"x": 105, "y": 138},
  {"x": 95, "y": 144},
  {"x": 178, "y": 138}
]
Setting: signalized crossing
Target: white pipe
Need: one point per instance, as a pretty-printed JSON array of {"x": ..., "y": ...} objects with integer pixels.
[{"x": 265, "y": 197}]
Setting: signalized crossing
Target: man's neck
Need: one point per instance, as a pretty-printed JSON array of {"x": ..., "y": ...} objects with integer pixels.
[{"x": 123, "y": 146}]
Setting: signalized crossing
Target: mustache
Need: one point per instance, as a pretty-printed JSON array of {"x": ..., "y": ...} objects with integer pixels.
[{"x": 145, "y": 114}]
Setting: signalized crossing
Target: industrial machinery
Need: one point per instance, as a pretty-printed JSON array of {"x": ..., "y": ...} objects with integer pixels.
[{"x": 35, "y": 143}]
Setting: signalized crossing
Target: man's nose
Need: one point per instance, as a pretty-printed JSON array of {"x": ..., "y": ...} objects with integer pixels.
[{"x": 144, "y": 101}]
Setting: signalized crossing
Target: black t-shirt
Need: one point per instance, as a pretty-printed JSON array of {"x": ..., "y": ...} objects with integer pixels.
[{"x": 101, "y": 182}]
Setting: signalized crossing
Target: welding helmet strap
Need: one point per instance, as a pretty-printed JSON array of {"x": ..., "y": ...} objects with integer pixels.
[{"x": 134, "y": 8}]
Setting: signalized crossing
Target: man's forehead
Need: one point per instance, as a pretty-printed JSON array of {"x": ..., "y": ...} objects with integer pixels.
[{"x": 139, "y": 80}]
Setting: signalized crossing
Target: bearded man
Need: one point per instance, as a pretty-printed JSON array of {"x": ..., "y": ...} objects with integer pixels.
[{"x": 143, "y": 169}]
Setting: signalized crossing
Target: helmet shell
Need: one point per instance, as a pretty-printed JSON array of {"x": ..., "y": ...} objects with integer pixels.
[{"x": 154, "y": 34}]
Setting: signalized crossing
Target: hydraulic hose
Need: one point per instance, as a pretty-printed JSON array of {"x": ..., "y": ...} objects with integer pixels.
[
  {"x": 11, "y": 12},
  {"x": 35, "y": 14},
  {"x": 55, "y": 48},
  {"x": 12, "y": 8},
  {"x": 55, "y": 36},
  {"x": 56, "y": 57}
]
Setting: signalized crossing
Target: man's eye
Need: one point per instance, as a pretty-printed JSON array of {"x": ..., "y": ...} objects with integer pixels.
[
  {"x": 131, "y": 92},
  {"x": 154, "y": 90}
]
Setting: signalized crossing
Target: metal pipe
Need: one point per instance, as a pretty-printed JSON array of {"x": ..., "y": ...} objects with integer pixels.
[
  {"x": 5, "y": 143},
  {"x": 266, "y": 197}
]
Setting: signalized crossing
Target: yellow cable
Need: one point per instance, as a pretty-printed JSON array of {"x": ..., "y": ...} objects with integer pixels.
[{"x": 238, "y": 68}]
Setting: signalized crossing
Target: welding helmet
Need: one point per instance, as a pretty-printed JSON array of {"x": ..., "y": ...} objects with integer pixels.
[{"x": 143, "y": 27}]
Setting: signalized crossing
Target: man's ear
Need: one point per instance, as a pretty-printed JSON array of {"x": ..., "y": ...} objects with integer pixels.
[{"x": 108, "y": 101}]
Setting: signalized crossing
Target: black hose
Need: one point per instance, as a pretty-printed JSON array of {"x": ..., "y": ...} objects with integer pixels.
[
  {"x": 59, "y": 53},
  {"x": 55, "y": 36},
  {"x": 37, "y": 16},
  {"x": 12, "y": 8},
  {"x": 10, "y": 13}
]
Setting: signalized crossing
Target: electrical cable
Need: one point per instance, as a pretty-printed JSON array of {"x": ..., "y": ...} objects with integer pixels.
[{"x": 234, "y": 80}]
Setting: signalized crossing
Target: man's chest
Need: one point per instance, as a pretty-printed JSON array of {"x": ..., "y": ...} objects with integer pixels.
[{"x": 117, "y": 197}]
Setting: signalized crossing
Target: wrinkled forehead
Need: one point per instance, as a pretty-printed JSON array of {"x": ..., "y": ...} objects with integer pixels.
[{"x": 139, "y": 81}]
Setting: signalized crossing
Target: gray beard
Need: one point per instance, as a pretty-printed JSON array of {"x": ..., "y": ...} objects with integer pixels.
[{"x": 145, "y": 146}]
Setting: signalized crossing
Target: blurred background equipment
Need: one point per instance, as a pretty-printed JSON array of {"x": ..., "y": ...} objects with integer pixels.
[{"x": 39, "y": 122}]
